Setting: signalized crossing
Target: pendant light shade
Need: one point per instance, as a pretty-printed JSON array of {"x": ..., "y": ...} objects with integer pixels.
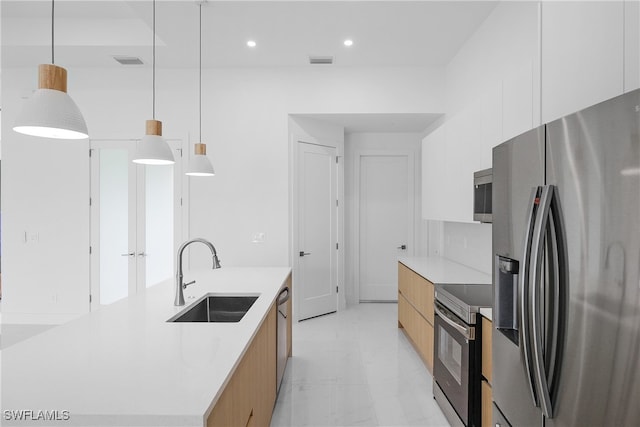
[
  {"x": 153, "y": 149},
  {"x": 50, "y": 112},
  {"x": 199, "y": 164}
]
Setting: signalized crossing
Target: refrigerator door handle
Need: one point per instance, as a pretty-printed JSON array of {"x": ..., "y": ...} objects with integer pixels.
[
  {"x": 523, "y": 297},
  {"x": 537, "y": 246},
  {"x": 557, "y": 299}
]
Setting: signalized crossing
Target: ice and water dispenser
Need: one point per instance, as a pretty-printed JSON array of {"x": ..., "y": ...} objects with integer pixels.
[{"x": 505, "y": 312}]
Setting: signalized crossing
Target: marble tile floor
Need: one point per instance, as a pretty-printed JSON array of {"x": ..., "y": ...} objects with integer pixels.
[{"x": 355, "y": 368}]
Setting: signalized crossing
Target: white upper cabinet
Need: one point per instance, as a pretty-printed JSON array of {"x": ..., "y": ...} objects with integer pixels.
[
  {"x": 491, "y": 121},
  {"x": 631, "y": 45},
  {"x": 450, "y": 155},
  {"x": 517, "y": 102},
  {"x": 433, "y": 171},
  {"x": 582, "y": 55},
  {"x": 575, "y": 54},
  {"x": 462, "y": 148}
]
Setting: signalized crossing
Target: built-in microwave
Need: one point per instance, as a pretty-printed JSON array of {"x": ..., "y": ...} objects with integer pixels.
[{"x": 482, "y": 183}]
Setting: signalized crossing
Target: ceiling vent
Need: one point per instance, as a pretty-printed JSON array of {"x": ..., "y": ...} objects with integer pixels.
[
  {"x": 320, "y": 60},
  {"x": 128, "y": 60}
]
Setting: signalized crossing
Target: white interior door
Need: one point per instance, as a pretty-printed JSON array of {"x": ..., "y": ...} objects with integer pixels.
[
  {"x": 132, "y": 222},
  {"x": 317, "y": 233},
  {"x": 386, "y": 214}
]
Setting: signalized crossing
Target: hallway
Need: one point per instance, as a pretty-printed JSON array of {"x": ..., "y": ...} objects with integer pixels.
[{"x": 355, "y": 368}]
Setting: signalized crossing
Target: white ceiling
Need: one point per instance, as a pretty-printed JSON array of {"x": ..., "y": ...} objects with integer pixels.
[
  {"x": 88, "y": 33},
  {"x": 385, "y": 33}
]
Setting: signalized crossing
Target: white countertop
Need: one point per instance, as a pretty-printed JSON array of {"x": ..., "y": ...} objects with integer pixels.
[
  {"x": 442, "y": 271},
  {"x": 124, "y": 365},
  {"x": 487, "y": 312}
]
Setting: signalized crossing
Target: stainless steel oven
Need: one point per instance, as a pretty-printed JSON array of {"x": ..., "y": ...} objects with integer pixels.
[{"x": 458, "y": 351}]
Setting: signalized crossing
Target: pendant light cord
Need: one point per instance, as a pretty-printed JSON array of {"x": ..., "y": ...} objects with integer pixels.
[
  {"x": 200, "y": 80},
  {"x": 52, "y": 32},
  {"x": 154, "y": 62}
]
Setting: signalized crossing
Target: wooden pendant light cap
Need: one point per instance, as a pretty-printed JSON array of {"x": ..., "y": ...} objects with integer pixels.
[
  {"x": 200, "y": 149},
  {"x": 154, "y": 127},
  {"x": 52, "y": 77}
]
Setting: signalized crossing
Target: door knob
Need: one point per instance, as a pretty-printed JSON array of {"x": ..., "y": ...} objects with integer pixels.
[
  {"x": 303, "y": 253},
  {"x": 403, "y": 247},
  {"x": 142, "y": 254},
  {"x": 129, "y": 254}
]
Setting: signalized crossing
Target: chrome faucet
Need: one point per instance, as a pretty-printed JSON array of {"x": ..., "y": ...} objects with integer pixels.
[{"x": 180, "y": 286}]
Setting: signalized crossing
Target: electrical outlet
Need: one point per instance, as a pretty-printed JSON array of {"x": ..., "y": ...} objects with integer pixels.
[
  {"x": 31, "y": 237},
  {"x": 258, "y": 237}
]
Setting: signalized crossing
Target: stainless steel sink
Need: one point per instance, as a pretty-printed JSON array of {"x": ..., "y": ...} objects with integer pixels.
[{"x": 217, "y": 308}]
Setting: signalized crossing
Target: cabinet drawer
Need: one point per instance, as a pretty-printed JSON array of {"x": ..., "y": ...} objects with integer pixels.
[
  {"x": 486, "y": 407},
  {"x": 425, "y": 342},
  {"x": 423, "y": 296},
  {"x": 417, "y": 290},
  {"x": 486, "y": 348},
  {"x": 404, "y": 281},
  {"x": 419, "y": 331},
  {"x": 404, "y": 316}
]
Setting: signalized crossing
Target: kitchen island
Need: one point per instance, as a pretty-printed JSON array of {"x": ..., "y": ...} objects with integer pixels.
[{"x": 125, "y": 365}]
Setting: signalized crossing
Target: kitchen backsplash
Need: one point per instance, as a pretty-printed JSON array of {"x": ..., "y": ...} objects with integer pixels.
[{"x": 466, "y": 243}]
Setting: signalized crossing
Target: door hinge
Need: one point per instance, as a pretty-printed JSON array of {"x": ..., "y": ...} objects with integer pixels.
[
  {"x": 336, "y": 203},
  {"x": 336, "y": 246},
  {"x": 89, "y": 298},
  {"x": 180, "y": 150},
  {"x": 180, "y": 201},
  {"x": 90, "y": 201},
  {"x": 90, "y": 151},
  {"x": 336, "y": 159},
  {"x": 90, "y": 250},
  {"x": 336, "y": 289}
]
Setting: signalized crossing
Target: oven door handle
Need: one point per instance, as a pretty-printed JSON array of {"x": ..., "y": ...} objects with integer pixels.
[{"x": 467, "y": 331}]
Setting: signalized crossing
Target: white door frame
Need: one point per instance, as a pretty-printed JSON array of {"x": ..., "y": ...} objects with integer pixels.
[
  {"x": 355, "y": 219},
  {"x": 295, "y": 221},
  {"x": 94, "y": 215}
]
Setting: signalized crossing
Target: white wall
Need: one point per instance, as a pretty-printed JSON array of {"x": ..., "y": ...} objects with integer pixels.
[
  {"x": 468, "y": 244},
  {"x": 45, "y": 229},
  {"x": 245, "y": 125},
  {"x": 354, "y": 144}
]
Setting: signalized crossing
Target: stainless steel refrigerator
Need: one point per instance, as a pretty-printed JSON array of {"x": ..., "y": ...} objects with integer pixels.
[{"x": 566, "y": 243}]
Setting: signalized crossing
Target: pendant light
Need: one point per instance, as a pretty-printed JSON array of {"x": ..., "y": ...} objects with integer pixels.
[
  {"x": 153, "y": 149},
  {"x": 199, "y": 164},
  {"x": 50, "y": 112}
]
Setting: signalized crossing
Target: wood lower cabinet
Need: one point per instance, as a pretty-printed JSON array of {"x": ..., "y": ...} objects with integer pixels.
[
  {"x": 250, "y": 395},
  {"x": 486, "y": 406},
  {"x": 415, "y": 311},
  {"x": 487, "y": 396},
  {"x": 486, "y": 348},
  {"x": 289, "y": 283}
]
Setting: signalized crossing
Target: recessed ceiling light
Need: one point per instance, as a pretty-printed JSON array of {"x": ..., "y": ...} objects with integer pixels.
[
  {"x": 348, "y": 42},
  {"x": 251, "y": 43}
]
